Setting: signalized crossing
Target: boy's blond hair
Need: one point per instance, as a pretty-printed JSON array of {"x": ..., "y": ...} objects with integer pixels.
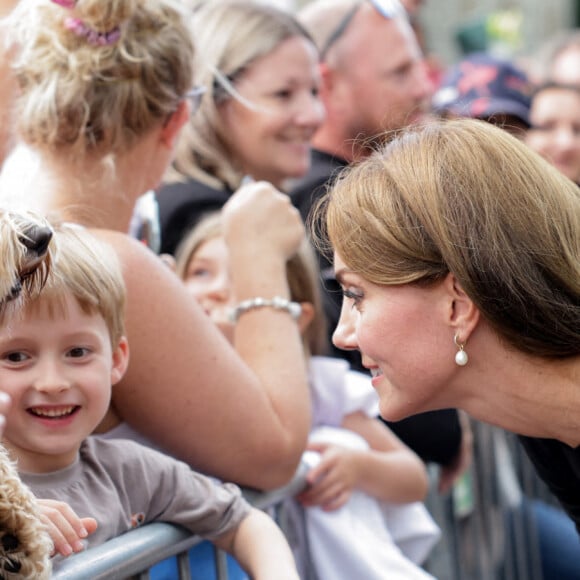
[{"x": 88, "y": 269}]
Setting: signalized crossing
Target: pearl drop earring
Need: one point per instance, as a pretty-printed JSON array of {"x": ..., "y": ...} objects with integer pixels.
[{"x": 461, "y": 357}]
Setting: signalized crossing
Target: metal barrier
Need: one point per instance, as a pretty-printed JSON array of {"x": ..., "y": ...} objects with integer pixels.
[
  {"x": 484, "y": 534},
  {"x": 134, "y": 553}
]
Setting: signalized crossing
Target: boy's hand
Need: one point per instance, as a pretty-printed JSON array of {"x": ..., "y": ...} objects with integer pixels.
[
  {"x": 66, "y": 529},
  {"x": 4, "y": 407}
]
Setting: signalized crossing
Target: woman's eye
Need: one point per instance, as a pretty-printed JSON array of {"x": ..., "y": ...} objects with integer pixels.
[{"x": 350, "y": 295}]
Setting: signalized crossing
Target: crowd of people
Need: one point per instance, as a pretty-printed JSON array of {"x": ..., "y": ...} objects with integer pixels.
[{"x": 361, "y": 254}]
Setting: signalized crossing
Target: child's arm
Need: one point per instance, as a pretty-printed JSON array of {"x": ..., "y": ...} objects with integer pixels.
[
  {"x": 260, "y": 548},
  {"x": 65, "y": 528},
  {"x": 388, "y": 471}
]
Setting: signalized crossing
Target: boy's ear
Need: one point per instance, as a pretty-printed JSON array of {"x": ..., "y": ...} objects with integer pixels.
[
  {"x": 306, "y": 316},
  {"x": 172, "y": 126},
  {"x": 120, "y": 361}
]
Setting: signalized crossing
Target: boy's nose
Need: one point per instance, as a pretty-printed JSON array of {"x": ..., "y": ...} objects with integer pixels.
[{"x": 50, "y": 380}]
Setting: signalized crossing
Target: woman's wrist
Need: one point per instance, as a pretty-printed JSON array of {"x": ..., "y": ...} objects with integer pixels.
[{"x": 276, "y": 303}]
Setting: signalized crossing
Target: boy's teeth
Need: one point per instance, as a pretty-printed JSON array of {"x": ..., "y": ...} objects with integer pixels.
[{"x": 53, "y": 412}]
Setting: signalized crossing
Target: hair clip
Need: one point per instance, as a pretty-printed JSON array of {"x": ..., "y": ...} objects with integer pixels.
[
  {"x": 70, "y": 4},
  {"x": 78, "y": 27}
]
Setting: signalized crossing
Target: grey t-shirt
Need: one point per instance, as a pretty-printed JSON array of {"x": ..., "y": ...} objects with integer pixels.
[{"x": 123, "y": 484}]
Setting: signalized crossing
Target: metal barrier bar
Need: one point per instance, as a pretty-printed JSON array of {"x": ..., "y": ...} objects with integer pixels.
[
  {"x": 496, "y": 538},
  {"x": 477, "y": 544},
  {"x": 136, "y": 551}
]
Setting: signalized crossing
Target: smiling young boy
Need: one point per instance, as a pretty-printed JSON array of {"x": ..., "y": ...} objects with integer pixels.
[{"x": 59, "y": 356}]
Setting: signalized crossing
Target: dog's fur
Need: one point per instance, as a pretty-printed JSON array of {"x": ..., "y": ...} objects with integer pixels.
[{"x": 25, "y": 546}]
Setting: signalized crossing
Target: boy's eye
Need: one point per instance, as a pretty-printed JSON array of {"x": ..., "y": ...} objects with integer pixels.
[
  {"x": 15, "y": 357},
  {"x": 78, "y": 352}
]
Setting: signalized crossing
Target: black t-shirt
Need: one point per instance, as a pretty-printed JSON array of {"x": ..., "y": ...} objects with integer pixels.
[
  {"x": 435, "y": 436},
  {"x": 182, "y": 205},
  {"x": 558, "y": 465}
]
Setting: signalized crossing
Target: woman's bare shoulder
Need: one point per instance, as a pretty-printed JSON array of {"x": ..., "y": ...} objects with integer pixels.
[{"x": 142, "y": 268}]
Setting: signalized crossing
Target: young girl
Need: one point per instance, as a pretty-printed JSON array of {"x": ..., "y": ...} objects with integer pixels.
[{"x": 362, "y": 512}]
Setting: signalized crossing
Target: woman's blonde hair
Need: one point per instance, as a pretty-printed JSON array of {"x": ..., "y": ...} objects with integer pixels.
[
  {"x": 84, "y": 96},
  {"x": 230, "y": 36},
  {"x": 87, "y": 268},
  {"x": 301, "y": 271},
  {"x": 465, "y": 197}
]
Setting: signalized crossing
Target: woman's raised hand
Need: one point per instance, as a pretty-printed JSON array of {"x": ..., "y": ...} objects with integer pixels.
[{"x": 262, "y": 219}]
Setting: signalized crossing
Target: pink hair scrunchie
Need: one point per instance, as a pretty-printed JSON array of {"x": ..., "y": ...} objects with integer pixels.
[
  {"x": 78, "y": 27},
  {"x": 65, "y": 3}
]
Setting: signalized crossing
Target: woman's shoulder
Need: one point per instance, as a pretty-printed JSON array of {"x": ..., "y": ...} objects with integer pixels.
[
  {"x": 126, "y": 247},
  {"x": 143, "y": 270}
]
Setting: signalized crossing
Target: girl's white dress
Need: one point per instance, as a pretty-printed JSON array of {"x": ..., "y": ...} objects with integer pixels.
[{"x": 366, "y": 538}]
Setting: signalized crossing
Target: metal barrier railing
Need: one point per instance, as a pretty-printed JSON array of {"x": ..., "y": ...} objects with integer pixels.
[
  {"x": 484, "y": 535},
  {"x": 134, "y": 553}
]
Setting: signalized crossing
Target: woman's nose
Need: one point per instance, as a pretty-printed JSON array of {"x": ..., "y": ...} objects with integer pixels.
[
  {"x": 310, "y": 111},
  {"x": 344, "y": 336}
]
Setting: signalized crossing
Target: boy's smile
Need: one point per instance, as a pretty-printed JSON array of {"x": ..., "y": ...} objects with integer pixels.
[{"x": 57, "y": 364}]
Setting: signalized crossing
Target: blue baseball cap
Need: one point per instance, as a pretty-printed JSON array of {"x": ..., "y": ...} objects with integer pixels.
[{"x": 482, "y": 85}]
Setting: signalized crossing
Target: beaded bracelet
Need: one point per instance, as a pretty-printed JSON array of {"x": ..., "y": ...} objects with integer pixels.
[{"x": 278, "y": 303}]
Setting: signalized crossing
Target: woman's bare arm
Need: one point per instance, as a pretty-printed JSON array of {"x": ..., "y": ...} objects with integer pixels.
[{"x": 242, "y": 417}]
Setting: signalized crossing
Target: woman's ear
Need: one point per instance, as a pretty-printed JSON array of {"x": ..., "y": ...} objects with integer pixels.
[
  {"x": 306, "y": 316},
  {"x": 174, "y": 123},
  {"x": 120, "y": 361},
  {"x": 463, "y": 314}
]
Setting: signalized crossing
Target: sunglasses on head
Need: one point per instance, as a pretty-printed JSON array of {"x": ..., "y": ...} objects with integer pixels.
[
  {"x": 387, "y": 8},
  {"x": 194, "y": 97}
]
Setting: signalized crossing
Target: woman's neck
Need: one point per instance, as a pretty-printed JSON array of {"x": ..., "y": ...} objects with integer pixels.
[
  {"x": 91, "y": 192},
  {"x": 533, "y": 397}
]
